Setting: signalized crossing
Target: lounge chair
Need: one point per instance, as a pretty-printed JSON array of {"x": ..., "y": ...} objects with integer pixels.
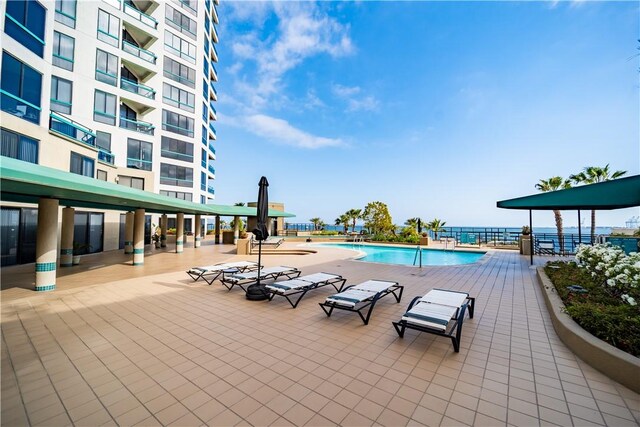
[
  {"x": 358, "y": 297},
  {"x": 439, "y": 312},
  {"x": 304, "y": 284},
  {"x": 272, "y": 242},
  {"x": 545, "y": 247},
  {"x": 267, "y": 273},
  {"x": 211, "y": 272}
]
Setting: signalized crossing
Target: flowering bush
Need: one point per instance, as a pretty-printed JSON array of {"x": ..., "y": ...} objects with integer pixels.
[{"x": 612, "y": 268}]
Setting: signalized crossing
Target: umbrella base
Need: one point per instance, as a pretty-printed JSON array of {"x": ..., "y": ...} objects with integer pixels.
[{"x": 257, "y": 293}]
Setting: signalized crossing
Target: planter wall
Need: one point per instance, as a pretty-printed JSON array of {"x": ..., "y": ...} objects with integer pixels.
[{"x": 618, "y": 365}]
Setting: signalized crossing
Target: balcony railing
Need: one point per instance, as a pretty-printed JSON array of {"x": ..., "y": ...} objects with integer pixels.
[
  {"x": 139, "y": 164},
  {"x": 165, "y": 180},
  {"x": 140, "y": 89},
  {"x": 212, "y": 128},
  {"x": 214, "y": 51},
  {"x": 139, "y": 52},
  {"x": 203, "y": 186},
  {"x": 215, "y": 70},
  {"x": 175, "y": 155},
  {"x": 106, "y": 156},
  {"x": 213, "y": 150},
  {"x": 114, "y": 3},
  {"x": 177, "y": 129},
  {"x": 212, "y": 107},
  {"x": 137, "y": 125},
  {"x": 213, "y": 88},
  {"x": 19, "y": 107},
  {"x": 211, "y": 169},
  {"x": 210, "y": 190},
  {"x": 142, "y": 17},
  {"x": 67, "y": 127}
]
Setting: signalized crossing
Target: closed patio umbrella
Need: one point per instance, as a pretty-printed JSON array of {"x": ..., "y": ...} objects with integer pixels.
[{"x": 258, "y": 292}]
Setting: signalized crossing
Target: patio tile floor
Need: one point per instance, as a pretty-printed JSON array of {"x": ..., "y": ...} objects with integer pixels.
[{"x": 148, "y": 346}]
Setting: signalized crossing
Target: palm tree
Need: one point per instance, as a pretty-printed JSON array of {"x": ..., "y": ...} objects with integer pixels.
[
  {"x": 553, "y": 184},
  {"x": 436, "y": 226},
  {"x": 354, "y": 215},
  {"x": 238, "y": 204},
  {"x": 592, "y": 175},
  {"x": 413, "y": 222},
  {"x": 316, "y": 223},
  {"x": 344, "y": 220}
]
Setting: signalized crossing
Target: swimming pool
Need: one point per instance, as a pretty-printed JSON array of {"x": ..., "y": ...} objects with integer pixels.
[{"x": 405, "y": 256}]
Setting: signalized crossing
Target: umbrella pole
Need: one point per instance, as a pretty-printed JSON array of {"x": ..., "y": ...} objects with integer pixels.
[{"x": 259, "y": 260}]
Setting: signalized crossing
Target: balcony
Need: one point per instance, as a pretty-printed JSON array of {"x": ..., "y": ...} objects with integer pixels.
[
  {"x": 214, "y": 73},
  {"x": 137, "y": 125},
  {"x": 165, "y": 180},
  {"x": 213, "y": 150},
  {"x": 210, "y": 190},
  {"x": 106, "y": 156},
  {"x": 212, "y": 128},
  {"x": 19, "y": 107},
  {"x": 114, "y": 3},
  {"x": 71, "y": 129},
  {"x": 177, "y": 156},
  {"x": 214, "y": 53},
  {"x": 139, "y": 16},
  {"x": 211, "y": 169},
  {"x": 177, "y": 129},
  {"x": 203, "y": 186},
  {"x": 214, "y": 34},
  {"x": 133, "y": 163},
  {"x": 140, "y": 89},
  {"x": 139, "y": 52},
  {"x": 214, "y": 14},
  {"x": 213, "y": 108}
]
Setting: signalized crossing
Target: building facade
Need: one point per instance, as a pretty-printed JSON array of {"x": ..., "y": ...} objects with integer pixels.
[{"x": 118, "y": 90}]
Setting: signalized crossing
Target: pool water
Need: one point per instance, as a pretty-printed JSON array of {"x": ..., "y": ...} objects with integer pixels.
[{"x": 406, "y": 256}]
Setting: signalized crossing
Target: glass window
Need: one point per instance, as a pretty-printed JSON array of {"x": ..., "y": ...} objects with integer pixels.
[
  {"x": 203, "y": 181},
  {"x": 181, "y": 22},
  {"x": 177, "y": 195},
  {"x": 108, "y": 28},
  {"x": 191, "y": 5},
  {"x": 180, "y": 47},
  {"x": 175, "y": 149},
  {"x": 177, "y": 123},
  {"x": 101, "y": 175},
  {"x": 139, "y": 154},
  {"x": 176, "y": 175},
  {"x": 61, "y": 95},
  {"x": 103, "y": 140},
  {"x": 63, "y": 50},
  {"x": 106, "y": 67},
  {"x": 179, "y": 98},
  {"x": 104, "y": 108},
  {"x": 81, "y": 165},
  {"x": 131, "y": 181},
  {"x": 25, "y": 23},
  {"x": 179, "y": 72},
  {"x": 66, "y": 12},
  {"x": 19, "y": 146},
  {"x": 20, "y": 88},
  {"x": 205, "y": 112}
]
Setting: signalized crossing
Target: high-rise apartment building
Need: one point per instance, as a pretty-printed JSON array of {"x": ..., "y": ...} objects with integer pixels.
[{"x": 118, "y": 90}]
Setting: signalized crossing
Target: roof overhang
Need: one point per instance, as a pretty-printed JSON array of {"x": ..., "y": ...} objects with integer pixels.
[
  {"x": 27, "y": 183},
  {"x": 616, "y": 194}
]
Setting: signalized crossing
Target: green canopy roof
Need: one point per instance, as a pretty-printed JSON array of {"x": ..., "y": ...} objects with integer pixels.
[
  {"x": 27, "y": 183},
  {"x": 616, "y": 194}
]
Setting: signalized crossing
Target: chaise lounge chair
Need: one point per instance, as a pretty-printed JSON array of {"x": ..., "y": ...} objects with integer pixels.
[
  {"x": 439, "y": 312},
  {"x": 211, "y": 272},
  {"x": 267, "y": 273},
  {"x": 304, "y": 284},
  {"x": 358, "y": 297},
  {"x": 545, "y": 247},
  {"x": 272, "y": 242}
]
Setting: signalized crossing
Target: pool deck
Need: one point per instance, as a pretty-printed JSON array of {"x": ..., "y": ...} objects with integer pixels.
[{"x": 122, "y": 345}]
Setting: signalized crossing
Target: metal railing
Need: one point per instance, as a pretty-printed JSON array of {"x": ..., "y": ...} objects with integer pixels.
[
  {"x": 136, "y": 125},
  {"x": 140, "y": 16},
  {"x": 69, "y": 128},
  {"x": 139, "y": 52},
  {"x": 211, "y": 169},
  {"x": 106, "y": 156},
  {"x": 211, "y": 190},
  {"x": 140, "y": 89}
]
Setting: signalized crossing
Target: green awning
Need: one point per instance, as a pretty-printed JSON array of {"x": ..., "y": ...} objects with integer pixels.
[
  {"x": 27, "y": 183},
  {"x": 616, "y": 194}
]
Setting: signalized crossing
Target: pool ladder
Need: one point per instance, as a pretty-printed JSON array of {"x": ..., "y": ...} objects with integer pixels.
[{"x": 418, "y": 256}]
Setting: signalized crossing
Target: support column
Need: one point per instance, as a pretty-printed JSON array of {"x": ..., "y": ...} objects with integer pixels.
[
  {"x": 163, "y": 231},
  {"x": 217, "y": 232},
  {"x": 138, "y": 237},
  {"x": 197, "y": 231},
  {"x": 46, "y": 244},
  {"x": 128, "y": 233},
  {"x": 236, "y": 229},
  {"x": 179, "y": 233},
  {"x": 66, "y": 238}
]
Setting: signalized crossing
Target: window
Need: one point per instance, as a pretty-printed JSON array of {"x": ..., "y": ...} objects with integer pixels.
[
  {"x": 203, "y": 181},
  {"x": 180, "y": 47},
  {"x": 103, "y": 140},
  {"x": 63, "y": 50},
  {"x": 108, "y": 28},
  {"x": 139, "y": 154},
  {"x": 205, "y": 112},
  {"x": 106, "y": 67},
  {"x": 66, "y": 12},
  {"x": 177, "y": 123},
  {"x": 179, "y": 98},
  {"x": 204, "y": 135},
  {"x": 104, "y": 108},
  {"x": 81, "y": 165},
  {"x": 24, "y": 22},
  {"x": 101, "y": 175},
  {"x": 20, "y": 86},
  {"x": 203, "y": 200},
  {"x": 61, "y": 95},
  {"x": 19, "y": 146},
  {"x": 177, "y": 195},
  {"x": 190, "y": 5},
  {"x": 179, "y": 73},
  {"x": 131, "y": 181},
  {"x": 205, "y": 89},
  {"x": 203, "y": 162},
  {"x": 176, "y": 175},
  {"x": 175, "y": 149},
  {"x": 181, "y": 22}
]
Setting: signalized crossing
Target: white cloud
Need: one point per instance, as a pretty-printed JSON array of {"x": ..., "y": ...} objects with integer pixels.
[
  {"x": 353, "y": 100},
  {"x": 281, "y": 131}
]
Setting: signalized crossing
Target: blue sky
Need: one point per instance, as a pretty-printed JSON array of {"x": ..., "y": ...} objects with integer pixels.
[{"x": 437, "y": 109}]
